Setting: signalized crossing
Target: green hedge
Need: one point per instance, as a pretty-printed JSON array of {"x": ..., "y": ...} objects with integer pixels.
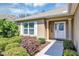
[
  {"x": 17, "y": 51},
  {"x": 68, "y": 45},
  {"x": 3, "y": 44},
  {"x": 12, "y": 45},
  {"x": 42, "y": 40},
  {"x": 8, "y": 28},
  {"x": 69, "y": 48},
  {"x": 13, "y": 40},
  {"x": 5, "y": 41},
  {"x": 69, "y": 52}
]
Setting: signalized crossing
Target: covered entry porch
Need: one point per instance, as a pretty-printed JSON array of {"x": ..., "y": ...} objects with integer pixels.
[{"x": 59, "y": 28}]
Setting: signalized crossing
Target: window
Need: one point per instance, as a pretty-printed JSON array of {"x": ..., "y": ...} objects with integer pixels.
[
  {"x": 29, "y": 28},
  {"x": 31, "y": 25},
  {"x": 25, "y": 28},
  {"x": 31, "y": 31},
  {"x": 25, "y": 31},
  {"x": 25, "y": 25}
]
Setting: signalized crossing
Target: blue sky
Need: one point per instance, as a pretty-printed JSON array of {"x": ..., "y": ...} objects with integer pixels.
[{"x": 27, "y": 8}]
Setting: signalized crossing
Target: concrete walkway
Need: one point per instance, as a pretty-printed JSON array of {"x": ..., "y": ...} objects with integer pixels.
[{"x": 55, "y": 48}]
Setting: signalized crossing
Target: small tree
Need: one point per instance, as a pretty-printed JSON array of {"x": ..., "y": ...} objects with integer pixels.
[{"x": 8, "y": 28}]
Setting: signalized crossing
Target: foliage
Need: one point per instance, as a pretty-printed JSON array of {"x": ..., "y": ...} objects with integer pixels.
[
  {"x": 8, "y": 28},
  {"x": 12, "y": 45},
  {"x": 68, "y": 45},
  {"x": 69, "y": 52},
  {"x": 17, "y": 51},
  {"x": 5, "y": 41},
  {"x": 42, "y": 40},
  {"x": 31, "y": 44},
  {"x": 14, "y": 39}
]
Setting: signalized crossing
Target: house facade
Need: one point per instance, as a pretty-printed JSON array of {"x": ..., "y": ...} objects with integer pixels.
[{"x": 60, "y": 24}]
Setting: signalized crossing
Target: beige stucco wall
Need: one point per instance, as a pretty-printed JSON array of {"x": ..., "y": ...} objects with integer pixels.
[
  {"x": 41, "y": 29},
  {"x": 76, "y": 29}
]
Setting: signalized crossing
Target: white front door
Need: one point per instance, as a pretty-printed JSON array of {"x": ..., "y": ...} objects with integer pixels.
[{"x": 60, "y": 30}]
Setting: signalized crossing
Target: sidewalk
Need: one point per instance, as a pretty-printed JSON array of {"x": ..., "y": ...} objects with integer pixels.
[{"x": 55, "y": 48}]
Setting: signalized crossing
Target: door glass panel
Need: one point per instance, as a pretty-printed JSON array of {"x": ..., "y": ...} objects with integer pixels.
[{"x": 61, "y": 26}]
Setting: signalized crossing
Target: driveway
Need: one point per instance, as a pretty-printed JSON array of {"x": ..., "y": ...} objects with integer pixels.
[{"x": 55, "y": 48}]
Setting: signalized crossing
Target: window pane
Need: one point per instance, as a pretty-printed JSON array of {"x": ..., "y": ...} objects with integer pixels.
[
  {"x": 25, "y": 25},
  {"x": 61, "y": 26},
  {"x": 31, "y": 31},
  {"x": 31, "y": 25},
  {"x": 25, "y": 31}
]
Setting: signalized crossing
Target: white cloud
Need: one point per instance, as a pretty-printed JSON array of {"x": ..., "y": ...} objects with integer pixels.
[
  {"x": 39, "y": 4},
  {"x": 17, "y": 11},
  {"x": 28, "y": 4},
  {"x": 35, "y": 4},
  {"x": 21, "y": 11},
  {"x": 60, "y": 5},
  {"x": 31, "y": 12},
  {"x": 14, "y": 4}
]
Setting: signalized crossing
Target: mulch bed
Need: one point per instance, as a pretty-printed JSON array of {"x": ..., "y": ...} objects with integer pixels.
[
  {"x": 42, "y": 46},
  {"x": 34, "y": 39}
]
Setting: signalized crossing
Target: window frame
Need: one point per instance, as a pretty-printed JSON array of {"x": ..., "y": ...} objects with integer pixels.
[{"x": 35, "y": 29}]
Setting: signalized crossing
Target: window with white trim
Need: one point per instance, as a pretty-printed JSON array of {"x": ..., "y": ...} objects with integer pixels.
[{"x": 29, "y": 28}]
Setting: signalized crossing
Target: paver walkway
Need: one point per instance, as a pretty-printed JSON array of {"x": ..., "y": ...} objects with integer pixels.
[{"x": 56, "y": 49}]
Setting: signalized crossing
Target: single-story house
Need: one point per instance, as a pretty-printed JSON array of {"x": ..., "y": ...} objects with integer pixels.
[{"x": 59, "y": 23}]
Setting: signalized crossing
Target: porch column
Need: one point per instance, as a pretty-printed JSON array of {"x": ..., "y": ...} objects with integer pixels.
[
  {"x": 70, "y": 29},
  {"x": 47, "y": 31}
]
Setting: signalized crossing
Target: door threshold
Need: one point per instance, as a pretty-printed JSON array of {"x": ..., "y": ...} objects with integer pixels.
[{"x": 58, "y": 39}]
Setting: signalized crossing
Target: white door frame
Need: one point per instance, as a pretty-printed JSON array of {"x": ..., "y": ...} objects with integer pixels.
[{"x": 61, "y": 34}]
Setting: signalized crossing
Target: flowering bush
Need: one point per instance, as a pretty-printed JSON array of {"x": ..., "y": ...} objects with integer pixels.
[{"x": 31, "y": 44}]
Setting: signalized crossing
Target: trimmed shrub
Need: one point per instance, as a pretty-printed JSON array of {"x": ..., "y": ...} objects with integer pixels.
[
  {"x": 17, "y": 51},
  {"x": 69, "y": 52},
  {"x": 14, "y": 39},
  {"x": 42, "y": 40},
  {"x": 3, "y": 43},
  {"x": 31, "y": 44},
  {"x": 12, "y": 45},
  {"x": 69, "y": 45}
]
